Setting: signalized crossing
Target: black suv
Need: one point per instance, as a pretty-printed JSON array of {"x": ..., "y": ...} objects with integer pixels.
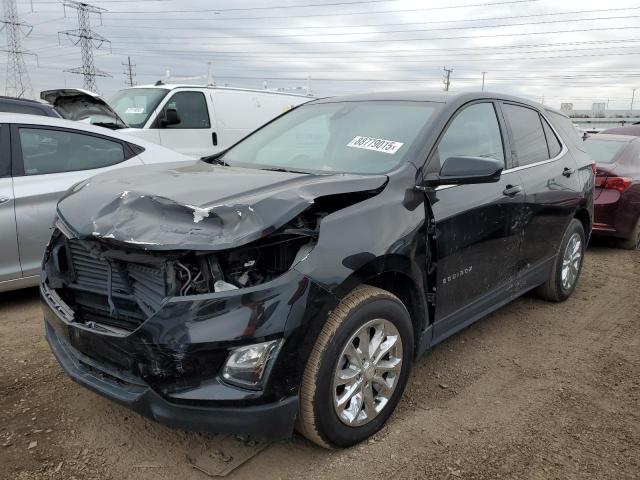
[
  {"x": 27, "y": 106},
  {"x": 293, "y": 279}
]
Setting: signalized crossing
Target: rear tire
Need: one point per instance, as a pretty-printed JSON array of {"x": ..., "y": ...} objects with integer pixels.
[
  {"x": 567, "y": 266},
  {"x": 367, "y": 339},
  {"x": 633, "y": 241}
]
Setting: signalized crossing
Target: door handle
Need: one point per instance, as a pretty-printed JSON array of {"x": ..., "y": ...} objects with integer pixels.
[
  {"x": 567, "y": 172},
  {"x": 214, "y": 139},
  {"x": 4, "y": 200},
  {"x": 512, "y": 190}
]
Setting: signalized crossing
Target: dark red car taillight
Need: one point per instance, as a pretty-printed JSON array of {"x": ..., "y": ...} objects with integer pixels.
[{"x": 613, "y": 183}]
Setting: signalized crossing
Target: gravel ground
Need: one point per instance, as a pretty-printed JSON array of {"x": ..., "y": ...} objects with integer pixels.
[{"x": 536, "y": 390}]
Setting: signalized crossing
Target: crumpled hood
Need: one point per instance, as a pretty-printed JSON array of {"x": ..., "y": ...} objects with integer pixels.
[
  {"x": 196, "y": 206},
  {"x": 82, "y": 105}
]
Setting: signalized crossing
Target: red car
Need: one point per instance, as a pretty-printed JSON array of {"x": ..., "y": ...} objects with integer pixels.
[{"x": 617, "y": 193}]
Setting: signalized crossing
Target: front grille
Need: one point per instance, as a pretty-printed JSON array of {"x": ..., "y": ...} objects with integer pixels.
[
  {"x": 112, "y": 293},
  {"x": 93, "y": 272}
]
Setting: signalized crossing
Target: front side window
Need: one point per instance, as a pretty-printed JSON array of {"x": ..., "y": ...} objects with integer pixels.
[
  {"x": 345, "y": 137},
  {"x": 474, "y": 132},
  {"x": 55, "y": 151},
  {"x": 191, "y": 108},
  {"x": 528, "y": 136},
  {"x": 135, "y": 105}
]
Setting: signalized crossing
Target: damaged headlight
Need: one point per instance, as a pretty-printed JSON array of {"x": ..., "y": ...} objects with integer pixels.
[
  {"x": 247, "y": 265},
  {"x": 246, "y": 365}
]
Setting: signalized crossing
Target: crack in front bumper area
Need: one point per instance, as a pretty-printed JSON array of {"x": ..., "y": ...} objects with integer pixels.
[
  {"x": 273, "y": 420},
  {"x": 169, "y": 368}
]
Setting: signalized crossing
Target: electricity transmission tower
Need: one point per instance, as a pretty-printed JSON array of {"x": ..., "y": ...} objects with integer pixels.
[
  {"x": 129, "y": 73},
  {"x": 447, "y": 78},
  {"x": 88, "y": 40},
  {"x": 18, "y": 83}
]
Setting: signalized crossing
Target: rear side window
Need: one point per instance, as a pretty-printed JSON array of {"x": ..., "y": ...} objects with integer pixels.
[
  {"x": 474, "y": 132},
  {"x": 552, "y": 141},
  {"x": 528, "y": 136},
  {"x": 55, "y": 151},
  {"x": 192, "y": 109}
]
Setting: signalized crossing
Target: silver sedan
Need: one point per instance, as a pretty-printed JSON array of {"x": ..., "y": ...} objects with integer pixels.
[{"x": 40, "y": 158}]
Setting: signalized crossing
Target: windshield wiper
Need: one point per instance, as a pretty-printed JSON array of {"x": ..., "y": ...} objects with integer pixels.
[
  {"x": 215, "y": 159},
  {"x": 285, "y": 170}
]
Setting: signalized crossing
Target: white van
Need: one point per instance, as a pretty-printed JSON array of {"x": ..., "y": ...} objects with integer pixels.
[{"x": 193, "y": 120}]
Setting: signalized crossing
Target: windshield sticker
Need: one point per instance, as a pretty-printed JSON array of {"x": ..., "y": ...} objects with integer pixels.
[
  {"x": 375, "y": 144},
  {"x": 134, "y": 110}
]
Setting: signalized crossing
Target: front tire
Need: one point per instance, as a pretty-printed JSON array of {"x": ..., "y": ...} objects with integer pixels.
[
  {"x": 357, "y": 370},
  {"x": 567, "y": 266}
]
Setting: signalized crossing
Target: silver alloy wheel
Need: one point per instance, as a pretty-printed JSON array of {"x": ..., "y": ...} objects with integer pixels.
[
  {"x": 571, "y": 261},
  {"x": 367, "y": 372}
]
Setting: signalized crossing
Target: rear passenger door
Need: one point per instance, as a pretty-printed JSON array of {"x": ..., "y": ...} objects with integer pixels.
[
  {"x": 551, "y": 184},
  {"x": 477, "y": 226},
  {"x": 195, "y": 135},
  {"x": 9, "y": 257},
  {"x": 46, "y": 162}
]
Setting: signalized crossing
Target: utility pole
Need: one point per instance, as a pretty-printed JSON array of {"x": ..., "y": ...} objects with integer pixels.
[
  {"x": 18, "y": 83},
  {"x": 447, "y": 78},
  {"x": 88, "y": 40},
  {"x": 129, "y": 72},
  {"x": 210, "y": 81},
  {"x": 633, "y": 97},
  {"x": 483, "y": 74}
]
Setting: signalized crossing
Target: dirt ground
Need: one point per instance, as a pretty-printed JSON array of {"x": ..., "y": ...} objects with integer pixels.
[{"x": 536, "y": 390}]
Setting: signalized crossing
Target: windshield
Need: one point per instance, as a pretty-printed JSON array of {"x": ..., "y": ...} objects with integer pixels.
[
  {"x": 604, "y": 151},
  {"x": 345, "y": 137},
  {"x": 135, "y": 105}
]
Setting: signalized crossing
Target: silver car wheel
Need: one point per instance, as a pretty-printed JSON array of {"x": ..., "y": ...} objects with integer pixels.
[
  {"x": 571, "y": 261},
  {"x": 367, "y": 372}
]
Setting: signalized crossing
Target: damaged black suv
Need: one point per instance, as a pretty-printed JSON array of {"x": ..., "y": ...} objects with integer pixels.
[{"x": 292, "y": 280}]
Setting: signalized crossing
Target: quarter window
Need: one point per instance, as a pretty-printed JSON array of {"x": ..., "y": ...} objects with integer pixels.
[
  {"x": 528, "y": 136},
  {"x": 474, "y": 132},
  {"x": 552, "y": 141},
  {"x": 191, "y": 108},
  {"x": 55, "y": 151}
]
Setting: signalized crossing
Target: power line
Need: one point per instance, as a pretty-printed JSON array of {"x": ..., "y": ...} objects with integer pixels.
[
  {"x": 331, "y": 4},
  {"x": 325, "y": 27},
  {"x": 545, "y": 22},
  {"x": 88, "y": 40},
  {"x": 18, "y": 83},
  {"x": 368, "y": 12}
]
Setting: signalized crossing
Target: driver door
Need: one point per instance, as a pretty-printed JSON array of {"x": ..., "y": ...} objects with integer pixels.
[
  {"x": 478, "y": 227},
  {"x": 195, "y": 134}
]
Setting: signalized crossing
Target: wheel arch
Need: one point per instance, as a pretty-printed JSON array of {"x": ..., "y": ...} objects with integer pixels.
[
  {"x": 585, "y": 219},
  {"x": 400, "y": 276}
]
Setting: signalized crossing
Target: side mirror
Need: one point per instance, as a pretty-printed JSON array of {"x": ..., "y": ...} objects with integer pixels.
[
  {"x": 171, "y": 117},
  {"x": 466, "y": 171}
]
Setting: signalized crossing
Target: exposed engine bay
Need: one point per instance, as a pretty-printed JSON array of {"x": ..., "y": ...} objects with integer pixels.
[{"x": 116, "y": 288}]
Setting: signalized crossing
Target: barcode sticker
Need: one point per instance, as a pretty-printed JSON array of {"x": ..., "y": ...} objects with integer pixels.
[
  {"x": 134, "y": 110},
  {"x": 375, "y": 144}
]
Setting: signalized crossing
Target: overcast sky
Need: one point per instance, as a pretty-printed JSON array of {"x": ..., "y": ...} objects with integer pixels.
[{"x": 569, "y": 51}]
